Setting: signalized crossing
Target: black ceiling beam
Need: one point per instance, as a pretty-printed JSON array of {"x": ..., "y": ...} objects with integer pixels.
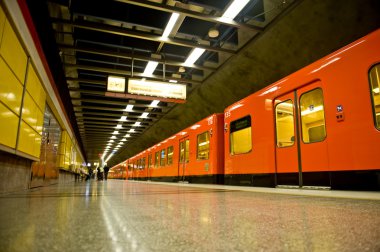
[
  {"x": 116, "y": 103},
  {"x": 89, "y": 81},
  {"x": 189, "y": 13},
  {"x": 115, "y": 110},
  {"x": 131, "y": 56},
  {"x": 128, "y": 73},
  {"x": 139, "y": 35},
  {"x": 115, "y": 115}
]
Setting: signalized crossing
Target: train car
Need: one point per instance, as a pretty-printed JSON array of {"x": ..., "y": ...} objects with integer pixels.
[
  {"x": 194, "y": 155},
  {"x": 118, "y": 171},
  {"x": 317, "y": 127}
]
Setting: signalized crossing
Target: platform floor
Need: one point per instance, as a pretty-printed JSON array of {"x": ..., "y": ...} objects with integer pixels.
[{"x": 119, "y": 215}]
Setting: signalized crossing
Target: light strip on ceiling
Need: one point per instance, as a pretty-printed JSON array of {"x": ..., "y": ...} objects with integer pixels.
[
  {"x": 144, "y": 115},
  {"x": 194, "y": 56},
  {"x": 150, "y": 67},
  {"x": 235, "y": 8},
  {"x": 154, "y": 103},
  {"x": 109, "y": 157},
  {"x": 128, "y": 108},
  {"x": 169, "y": 27}
]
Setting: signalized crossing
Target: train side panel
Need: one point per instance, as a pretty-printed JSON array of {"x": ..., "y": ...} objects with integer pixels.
[
  {"x": 322, "y": 123},
  {"x": 194, "y": 155}
]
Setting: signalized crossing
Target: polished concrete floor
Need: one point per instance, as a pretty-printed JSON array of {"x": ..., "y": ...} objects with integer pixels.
[{"x": 129, "y": 216}]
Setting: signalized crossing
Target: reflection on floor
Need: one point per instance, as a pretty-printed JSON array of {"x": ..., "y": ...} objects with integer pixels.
[{"x": 128, "y": 216}]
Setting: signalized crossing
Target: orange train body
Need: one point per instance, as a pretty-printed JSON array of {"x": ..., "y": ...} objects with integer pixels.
[
  {"x": 178, "y": 158},
  {"x": 319, "y": 126}
]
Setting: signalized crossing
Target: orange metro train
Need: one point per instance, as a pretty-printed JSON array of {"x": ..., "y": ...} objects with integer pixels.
[{"x": 318, "y": 127}]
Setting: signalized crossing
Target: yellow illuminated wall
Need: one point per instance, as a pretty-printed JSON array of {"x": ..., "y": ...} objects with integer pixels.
[
  {"x": 22, "y": 96},
  {"x": 22, "y": 104},
  {"x": 68, "y": 154},
  {"x": 2, "y": 22}
]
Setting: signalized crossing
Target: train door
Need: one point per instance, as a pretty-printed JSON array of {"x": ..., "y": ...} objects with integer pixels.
[
  {"x": 150, "y": 165},
  {"x": 301, "y": 146},
  {"x": 184, "y": 145}
]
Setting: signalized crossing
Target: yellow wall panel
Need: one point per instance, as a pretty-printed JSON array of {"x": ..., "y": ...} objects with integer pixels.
[
  {"x": 28, "y": 140},
  {"x": 13, "y": 53},
  {"x": 8, "y": 130},
  {"x": 61, "y": 149},
  {"x": 40, "y": 122},
  {"x": 32, "y": 83},
  {"x": 35, "y": 89},
  {"x": 61, "y": 161},
  {"x": 68, "y": 146},
  {"x": 67, "y": 163},
  {"x": 2, "y": 22},
  {"x": 10, "y": 88},
  {"x": 37, "y": 145},
  {"x": 42, "y": 101},
  {"x": 29, "y": 111}
]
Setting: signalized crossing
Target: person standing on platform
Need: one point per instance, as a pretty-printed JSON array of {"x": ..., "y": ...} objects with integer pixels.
[{"x": 106, "y": 169}]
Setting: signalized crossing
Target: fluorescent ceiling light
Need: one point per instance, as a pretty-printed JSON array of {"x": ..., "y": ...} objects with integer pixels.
[
  {"x": 376, "y": 90},
  {"x": 131, "y": 130},
  {"x": 127, "y": 135},
  {"x": 115, "y": 132},
  {"x": 121, "y": 143},
  {"x": 169, "y": 27},
  {"x": 124, "y": 139},
  {"x": 154, "y": 103},
  {"x": 118, "y": 146},
  {"x": 173, "y": 81},
  {"x": 111, "y": 141},
  {"x": 150, "y": 67},
  {"x": 113, "y": 137},
  {"x": 118, "y": 126},
  {"x": 235, "y": 8},
  {"x": 109, "y": 157},
  {"x": 137, "y": 124},
  {"x": 123, "y": 118},
  {"x": 129, "y": 108},
  {"x": 194, "y": 56},
  {"x": 145, "y": 115}
]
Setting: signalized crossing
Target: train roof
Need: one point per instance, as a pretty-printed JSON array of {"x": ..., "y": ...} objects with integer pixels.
[{"x": 328, "y": 61}]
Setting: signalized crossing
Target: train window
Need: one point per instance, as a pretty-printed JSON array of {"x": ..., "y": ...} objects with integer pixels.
[
  {"x": 163, "y": 156},
  {"x": 156, "y": 158},
  {"x": 130, "y": 166},
  {"x": 184, "y": 151},
  {"x": 374, "y": 78},
  {"x": 203, "y": 146},
  {"x": 285, "y": 124},
  {"x": 138, "y": 164},
  {"x": 312, "y": 116},
  {"x": 143, "y": 163},
  {"x": 187, "y": 153},
  {"x": 150, "y": 161},
  {"x": 170, "y": 155},
  {"x": 240, "y": 136}
]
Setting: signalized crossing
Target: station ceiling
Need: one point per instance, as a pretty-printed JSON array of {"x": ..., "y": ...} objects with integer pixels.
[{"x": 98, "y": 39}]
